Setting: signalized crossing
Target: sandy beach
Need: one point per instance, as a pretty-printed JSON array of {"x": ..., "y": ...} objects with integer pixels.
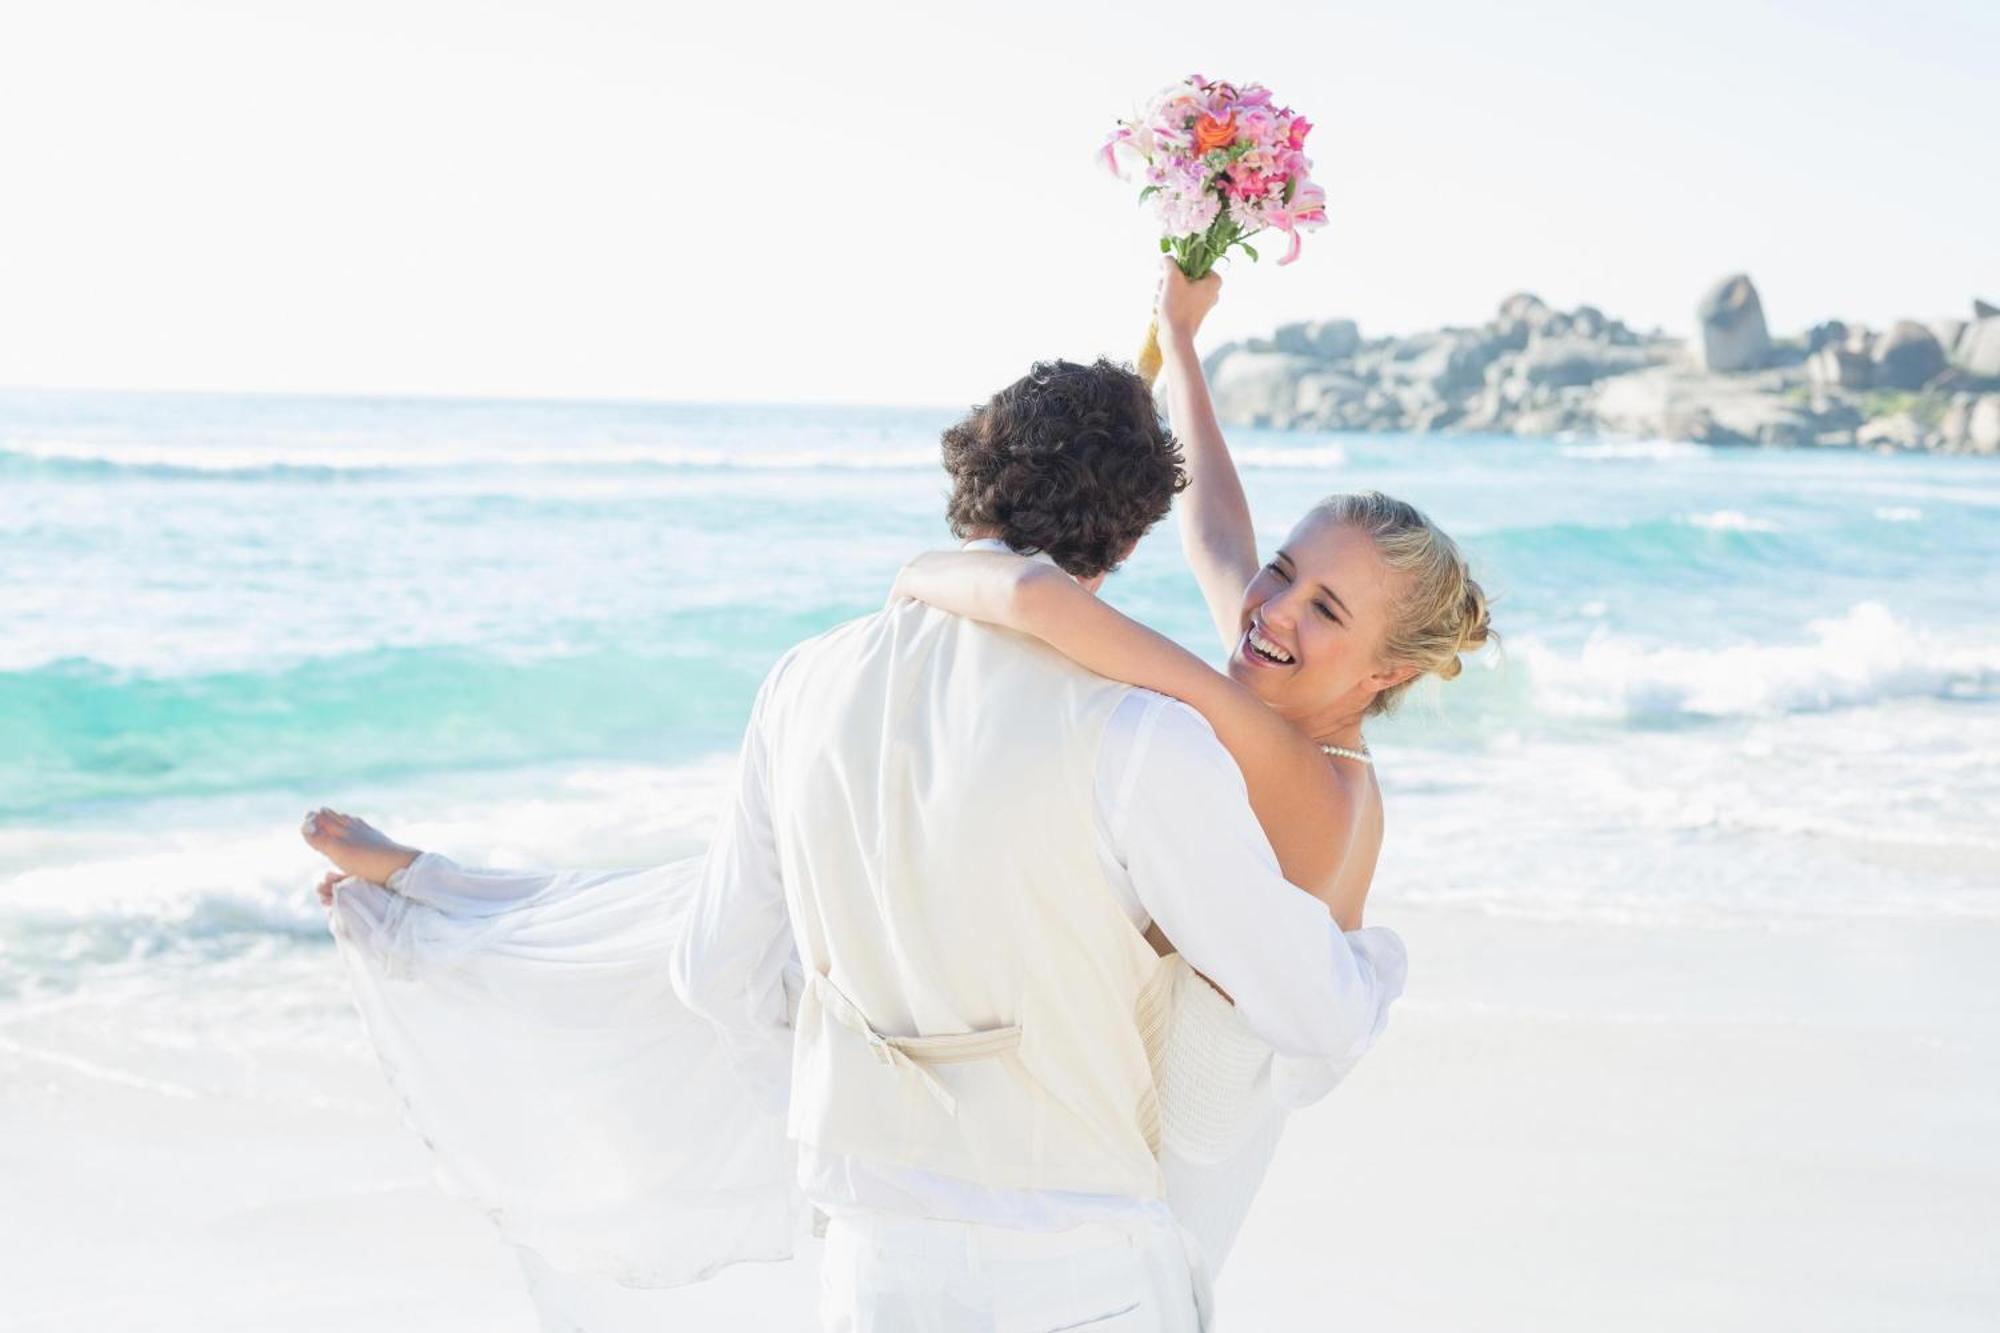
[{"x": 1568, "y": 1127}]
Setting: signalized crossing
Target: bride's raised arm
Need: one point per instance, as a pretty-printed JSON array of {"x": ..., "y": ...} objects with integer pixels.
[
  {"x": 1216, "y": 528},
  {"x": 1292, "y": 789}
]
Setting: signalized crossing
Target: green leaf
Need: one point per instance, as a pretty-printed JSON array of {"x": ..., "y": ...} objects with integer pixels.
[
  {"x": 1166, "y": 246},
  {"x": 1248, "y": 249},
  {"x": 1148, "y": 193}
]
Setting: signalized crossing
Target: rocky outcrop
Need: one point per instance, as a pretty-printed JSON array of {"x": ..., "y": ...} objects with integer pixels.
[
  {"x": 1982, "y": 428},
  {"x": 1733, "y": 335},
  {"x": 1978, "y": 350},
  {"x": 1971, "y": 423},
  {"x": 1840, "y": 367},
  {"x": 1907, "y": 357},
  {"x": 1329, "y": 339},
  {"x": 1259, "y": 387},
  {"x": 1947, "y": 332},
  {"x": 1534, "y": 369}
]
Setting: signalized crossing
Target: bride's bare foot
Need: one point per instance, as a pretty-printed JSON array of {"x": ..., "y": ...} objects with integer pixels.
[{"x": 355, "y": 845}]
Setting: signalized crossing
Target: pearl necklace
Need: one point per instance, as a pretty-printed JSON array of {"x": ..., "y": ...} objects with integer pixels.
[{"x": 1342, "y": 752}]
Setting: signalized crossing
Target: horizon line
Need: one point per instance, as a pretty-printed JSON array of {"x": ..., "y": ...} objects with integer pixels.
[{"x": 459, "y": 396}]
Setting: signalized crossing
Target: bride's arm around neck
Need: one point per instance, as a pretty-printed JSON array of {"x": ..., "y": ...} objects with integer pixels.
[{"x": 1304, "y": 809}]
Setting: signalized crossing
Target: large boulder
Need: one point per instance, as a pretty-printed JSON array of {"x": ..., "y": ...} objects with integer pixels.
[
  {"x": 1320, "y": 394},
  {"x": 1327, "y": 339},
  {"x": 1452, "y": 363},
  {"x": 1827, "y": 333},
  {"x": 1572, "y": 360},
  {"x": 1947, "y": 332},
  {"x": 1898, "y": 430},
  {"x": 1733, "y": 334},
  {"x": 1414, "y": 346},
  {"x": 1839, "y": 367},
  {"x": 1259, "y": 388},
  {"x": 1587, "y": 321},
  {"x": 1983, "y": 430},
  {"x": 1678, "y": 403},
  {"x": 1955, "y": 425},
  {"x": 1518, "y": 317},
  {"x": 1908, "y": 356},
  {"x": 1522, "y": 308},
  {"x": 1978, "y": 350}
]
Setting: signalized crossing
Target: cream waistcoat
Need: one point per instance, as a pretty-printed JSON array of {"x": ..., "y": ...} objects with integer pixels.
[{"x": 977, "y": 1004}]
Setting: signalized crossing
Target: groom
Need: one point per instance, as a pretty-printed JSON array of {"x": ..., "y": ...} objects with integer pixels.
[{"x": 927, "y": 908}]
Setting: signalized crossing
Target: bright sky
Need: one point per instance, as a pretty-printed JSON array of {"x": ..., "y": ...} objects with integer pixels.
[{"x": 898, "y": 202}]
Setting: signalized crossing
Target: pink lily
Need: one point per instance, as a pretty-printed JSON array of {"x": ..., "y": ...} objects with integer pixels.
[
  {"x": 1307, "y": 209},
  {"x": 1109, "y": 152}
]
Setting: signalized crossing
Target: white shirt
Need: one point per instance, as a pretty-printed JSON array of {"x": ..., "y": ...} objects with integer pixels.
[{"x": 1181, "y": 848}]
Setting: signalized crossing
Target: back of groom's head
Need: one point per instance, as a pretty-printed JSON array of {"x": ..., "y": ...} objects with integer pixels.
[{"x": 1069, "y": 460}]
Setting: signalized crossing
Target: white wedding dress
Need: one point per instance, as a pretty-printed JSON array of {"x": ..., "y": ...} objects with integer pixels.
[{"x": 527, "y": 1023}]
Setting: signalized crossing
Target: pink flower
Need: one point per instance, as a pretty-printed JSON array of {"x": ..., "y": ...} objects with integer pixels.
[
  {"x": 1188, "y": 177},
  {"x": 1258, "y": 125},
  {"x": 1307, "y": 209},
  {"x": 1187, "y": 215},
  {"x": 1109, "y": 152},
  {"x": 1300, "y": 129}
]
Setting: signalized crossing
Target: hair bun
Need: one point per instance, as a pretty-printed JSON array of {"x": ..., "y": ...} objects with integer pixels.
[{"x": 1476, "y": 631}]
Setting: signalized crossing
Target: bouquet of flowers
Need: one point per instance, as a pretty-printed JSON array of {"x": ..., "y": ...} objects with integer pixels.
[{"x": 1221, "y": 164}]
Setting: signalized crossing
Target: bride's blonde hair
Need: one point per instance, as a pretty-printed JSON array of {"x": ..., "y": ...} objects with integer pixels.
[{"x": 1441, "y": 612}]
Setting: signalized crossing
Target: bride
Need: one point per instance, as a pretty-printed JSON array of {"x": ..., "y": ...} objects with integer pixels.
[{"x": 527, "y": 1023}]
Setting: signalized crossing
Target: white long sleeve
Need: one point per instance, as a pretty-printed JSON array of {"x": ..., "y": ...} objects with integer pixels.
[
  {"x": 1181, "y": 827},
  {"x": 731, "y": 962}
]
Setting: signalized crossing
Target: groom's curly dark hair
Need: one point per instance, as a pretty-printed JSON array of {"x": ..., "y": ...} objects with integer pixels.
[{"x": 1069, "y": 460}]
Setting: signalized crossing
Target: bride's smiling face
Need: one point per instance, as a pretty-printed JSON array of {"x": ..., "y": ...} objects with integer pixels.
[{"x": 1315, "y": 620}]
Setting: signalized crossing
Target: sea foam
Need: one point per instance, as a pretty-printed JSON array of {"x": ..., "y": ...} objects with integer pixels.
[{"x": 1862, "y": 657}]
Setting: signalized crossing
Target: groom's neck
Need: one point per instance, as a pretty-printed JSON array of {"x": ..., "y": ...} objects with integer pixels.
[{"x": 993, "y": 535}]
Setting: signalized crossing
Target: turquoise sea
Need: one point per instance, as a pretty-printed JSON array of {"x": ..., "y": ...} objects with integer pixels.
[{"x": 1736, "y": 685}]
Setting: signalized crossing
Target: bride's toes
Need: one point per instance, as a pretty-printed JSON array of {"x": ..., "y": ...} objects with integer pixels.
[{"x": 356, "y": 846}]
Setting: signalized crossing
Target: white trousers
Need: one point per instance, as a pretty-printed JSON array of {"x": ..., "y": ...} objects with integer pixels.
[{"x": 888, "y": 1274}]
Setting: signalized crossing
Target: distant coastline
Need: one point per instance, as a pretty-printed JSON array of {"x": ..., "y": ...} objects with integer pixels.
[{"x": 1535, "y": 370}]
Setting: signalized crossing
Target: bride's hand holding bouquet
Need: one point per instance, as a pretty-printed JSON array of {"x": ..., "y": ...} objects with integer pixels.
[
  {"x": 1222, "y": 164},
  {"x": 1183, "y": 302}
]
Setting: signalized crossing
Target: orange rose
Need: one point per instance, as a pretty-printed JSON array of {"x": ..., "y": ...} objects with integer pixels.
[{"x": 1211, "y": 134}]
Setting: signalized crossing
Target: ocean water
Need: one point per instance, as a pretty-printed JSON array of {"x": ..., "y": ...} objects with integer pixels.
[{"x": 1737, "y": 687}]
